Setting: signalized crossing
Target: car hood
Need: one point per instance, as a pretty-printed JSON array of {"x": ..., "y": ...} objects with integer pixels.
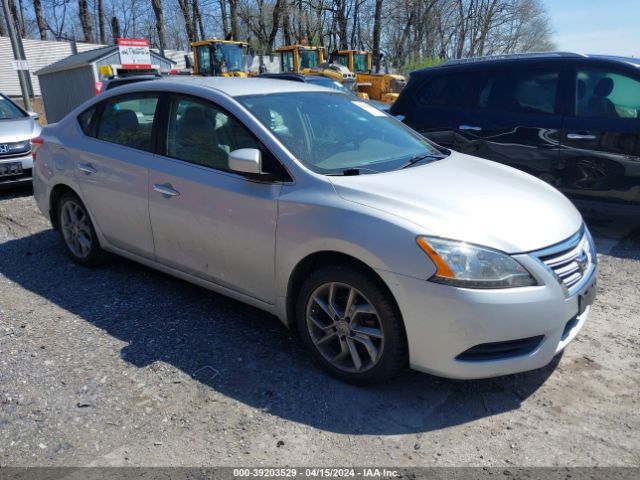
[
  {"x": 18, "y": 130},
  {"x": 470, "y": 199}
]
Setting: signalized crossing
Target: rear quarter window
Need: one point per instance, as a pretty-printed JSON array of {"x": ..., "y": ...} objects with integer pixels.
[{"x": 86, "y": 120}]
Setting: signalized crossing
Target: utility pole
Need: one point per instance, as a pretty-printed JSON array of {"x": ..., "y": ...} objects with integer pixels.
[{"x": 16, "y": 45}]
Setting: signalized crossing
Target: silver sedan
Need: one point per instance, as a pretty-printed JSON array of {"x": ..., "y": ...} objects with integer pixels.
[
  {"x": 17, "y": 128},
  {"x": 381, "y": 248}
]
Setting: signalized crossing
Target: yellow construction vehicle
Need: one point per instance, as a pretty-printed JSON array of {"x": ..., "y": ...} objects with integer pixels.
[
  {"x": 220, "y": 58},
  {"x": 384, "y": 87},
  {"x": 295, "y": 58},
  {"x": 306, "y": 60}
]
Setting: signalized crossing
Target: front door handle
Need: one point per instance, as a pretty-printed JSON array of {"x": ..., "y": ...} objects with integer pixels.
[
  {"x": 86, "y": 168},
  {"x": 470, "y": 127},
  {"x": 166, "y": 190},
  {"x": 581, "y": 136}
]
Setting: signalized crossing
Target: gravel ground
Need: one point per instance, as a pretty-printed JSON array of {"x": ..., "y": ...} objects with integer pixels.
[{"x": 122, "y": 365}]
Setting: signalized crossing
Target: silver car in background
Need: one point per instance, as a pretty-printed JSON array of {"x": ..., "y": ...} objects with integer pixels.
[
  {"x": 17, "y": 128},
  {"x": 381, "y": 248}
]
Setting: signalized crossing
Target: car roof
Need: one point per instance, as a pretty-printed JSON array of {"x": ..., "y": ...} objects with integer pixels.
[
  {"x": 232, "y": 86},
  {"x": 532, "y": 56}
]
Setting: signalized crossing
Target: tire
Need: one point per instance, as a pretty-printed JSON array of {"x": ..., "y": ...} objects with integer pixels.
[
  {"x": 373, "y": 326},
  {"x": 78, "y": 234}
]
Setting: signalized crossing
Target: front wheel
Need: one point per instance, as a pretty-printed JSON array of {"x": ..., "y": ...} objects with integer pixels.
[{"x": 351, "y": 324}]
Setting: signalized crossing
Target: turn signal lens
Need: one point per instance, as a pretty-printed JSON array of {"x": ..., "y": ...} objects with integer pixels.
[{"x": 442, "y": 269}]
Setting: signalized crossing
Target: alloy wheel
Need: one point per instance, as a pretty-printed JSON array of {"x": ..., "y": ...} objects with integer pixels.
[
  {"x": 345, "y": 327},
  {"x": 76, "y": 229}
]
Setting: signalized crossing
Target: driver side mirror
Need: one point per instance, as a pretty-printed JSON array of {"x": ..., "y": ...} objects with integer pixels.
[
  {"x": 34, "y": 115},
  {"x": 246, "y": 160}
]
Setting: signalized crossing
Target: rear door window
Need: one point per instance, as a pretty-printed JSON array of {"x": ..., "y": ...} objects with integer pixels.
[
  {"x": 520, "y": 91},
  {"x": 128, "y": 120},
  {"x": 602, "y": 93}
]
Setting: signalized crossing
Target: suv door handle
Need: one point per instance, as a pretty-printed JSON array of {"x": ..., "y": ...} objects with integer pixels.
[
  {"x": 86, "y": 168},
  {"x": 581, "y": 136},
  {"x": 470, "y": 127},
  {"x": 166, "y": 190}
]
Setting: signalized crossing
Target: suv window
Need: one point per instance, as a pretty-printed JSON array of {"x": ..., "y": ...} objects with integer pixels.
[
  {"x": 128, "y": 120},
  {"x": 520, "y": 91},
  {"x": 602, "y": 93},
  {"x": 449, "y": 90},
  {"x": 201, "y": 133}
]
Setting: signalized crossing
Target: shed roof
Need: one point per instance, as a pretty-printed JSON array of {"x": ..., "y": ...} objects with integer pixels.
[{"x": 87, "y": 58}]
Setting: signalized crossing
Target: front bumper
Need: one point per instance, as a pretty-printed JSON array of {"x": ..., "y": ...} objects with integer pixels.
[{"x": 442, "y": 322}]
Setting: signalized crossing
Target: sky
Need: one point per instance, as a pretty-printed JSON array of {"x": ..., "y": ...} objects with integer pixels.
[{"x": 596, "y": 26}]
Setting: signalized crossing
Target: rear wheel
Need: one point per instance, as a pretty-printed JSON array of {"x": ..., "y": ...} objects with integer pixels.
[
  {"x": 351, "y": 324},
  {"x": 77, "y": 231}
]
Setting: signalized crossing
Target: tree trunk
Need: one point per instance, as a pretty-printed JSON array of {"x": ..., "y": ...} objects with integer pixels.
[
  {"x": 275, "y": 25},
  {"x": 115, "y": 29},
  {"x": 377, "y": 28},
  {"x": 157, "y": 10},
  {"x": 101, "y": 31},
  {"x": 85, "y": 21},
  {"x": 233, "y": 11},
  {"x": 225, "y": 19},
  {"x": 184, "y": 8},
  {"x": 342, "y": 24},
  {"x": 197, "y": 15},
  {"x": 42, "y": 25},
  {"x": 286, "y": 26}
]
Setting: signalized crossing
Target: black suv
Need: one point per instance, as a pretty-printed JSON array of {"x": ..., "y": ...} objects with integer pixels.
[{"x": 571, "y": 120}]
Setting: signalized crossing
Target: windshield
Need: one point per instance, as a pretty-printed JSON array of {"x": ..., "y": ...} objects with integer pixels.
[
  {"x": 359, "y": 63},
  {"x": 333, "y": 133},
  {"x": 231, "y": 55},
  {"x": 9, "y": 110},
  {"x": 309, "y": 58},
  {"x": 328, "y": 83}
]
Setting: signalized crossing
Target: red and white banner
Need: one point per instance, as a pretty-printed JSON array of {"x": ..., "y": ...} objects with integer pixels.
[{"x": 134, "y": 53}]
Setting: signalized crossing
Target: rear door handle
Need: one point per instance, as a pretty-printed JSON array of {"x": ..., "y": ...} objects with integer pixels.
[
  {"x": 581, "y": 136},
  {"x": 86, "y": 168},
  {"x": 470, "y": 127},
  {"x": 166, "y": 190}
]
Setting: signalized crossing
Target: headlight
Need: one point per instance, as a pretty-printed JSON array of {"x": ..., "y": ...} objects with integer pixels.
[{"x": 464, "y": 265}]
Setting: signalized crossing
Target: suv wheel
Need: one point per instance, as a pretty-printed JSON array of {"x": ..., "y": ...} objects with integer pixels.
[
  {"x": 352, "y": 325},
  {"x": 77, "y": 231}
]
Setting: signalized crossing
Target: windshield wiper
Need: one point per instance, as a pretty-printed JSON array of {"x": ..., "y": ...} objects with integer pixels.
[{"x": 418, "y": 158}]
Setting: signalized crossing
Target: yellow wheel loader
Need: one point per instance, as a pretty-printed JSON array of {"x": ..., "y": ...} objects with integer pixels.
[
  {"x": 295, "y": 58},
  {"x": 306, "y": 60},
  {"x": 220, "y": 58},
  {"x": 384, "y": 87}
]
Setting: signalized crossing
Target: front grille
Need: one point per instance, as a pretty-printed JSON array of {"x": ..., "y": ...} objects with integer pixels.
[
  {"x": 14, "y": 149},
  {"x": 571, "y": 260},
  {"x": 500, "y": 350}
]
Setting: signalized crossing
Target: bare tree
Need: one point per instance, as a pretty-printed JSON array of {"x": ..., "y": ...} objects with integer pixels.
[
  {"x": 101, "y": 30},
  {"x": 157, "y": 10},
  {"x": 115, "y": 29},
  {"x": 233, "y": 11},
  {"x": 377, "y": 27},
  {"x": 85, "y": 20},
  {"x": 40, "y": 22},
  {"x": 188, "y": 21}
]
